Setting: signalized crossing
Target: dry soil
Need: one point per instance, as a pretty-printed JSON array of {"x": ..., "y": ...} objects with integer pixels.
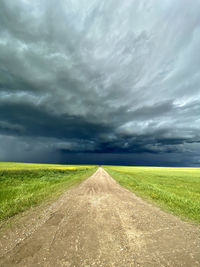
[{"x": 99, "y": 223}]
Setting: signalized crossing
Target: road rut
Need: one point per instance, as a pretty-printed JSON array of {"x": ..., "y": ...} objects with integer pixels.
[{"x": 99, "y": 223}]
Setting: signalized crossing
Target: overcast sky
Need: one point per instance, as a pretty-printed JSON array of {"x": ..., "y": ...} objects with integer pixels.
[{"x": 94, "y": 81}]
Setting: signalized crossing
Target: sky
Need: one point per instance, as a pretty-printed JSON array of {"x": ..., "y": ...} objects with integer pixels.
[{"x": 100, "y": 82}]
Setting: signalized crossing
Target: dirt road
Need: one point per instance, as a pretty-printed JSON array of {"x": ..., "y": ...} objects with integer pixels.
[{"x": 99, "y": 223}]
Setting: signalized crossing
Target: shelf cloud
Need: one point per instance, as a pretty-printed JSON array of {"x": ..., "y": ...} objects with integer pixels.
[{"x": 108, "y": 82}]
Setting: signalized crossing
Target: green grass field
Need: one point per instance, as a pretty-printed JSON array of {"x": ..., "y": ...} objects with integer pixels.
[
  {"x": 23, "y": 185},
  {"x": 174, "y": 189}
]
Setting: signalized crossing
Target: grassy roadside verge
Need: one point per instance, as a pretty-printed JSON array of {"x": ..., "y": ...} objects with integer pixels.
[
  {"x": 23, "y": 185},
  {"x": 176, "y": 190}
]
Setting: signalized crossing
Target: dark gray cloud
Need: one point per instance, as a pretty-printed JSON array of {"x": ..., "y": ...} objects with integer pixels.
[{"x": 100, "y": 81}]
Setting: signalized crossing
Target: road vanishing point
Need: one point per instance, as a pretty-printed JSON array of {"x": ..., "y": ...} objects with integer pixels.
[{"x": 100, "y": 223}]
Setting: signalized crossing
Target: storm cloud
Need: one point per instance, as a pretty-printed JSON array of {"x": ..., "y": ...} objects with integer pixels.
[{"x": 112, "y": 82}]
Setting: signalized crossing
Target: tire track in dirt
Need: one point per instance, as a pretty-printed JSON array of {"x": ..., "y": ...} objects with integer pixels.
[{"x": 99, "y": 223}]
